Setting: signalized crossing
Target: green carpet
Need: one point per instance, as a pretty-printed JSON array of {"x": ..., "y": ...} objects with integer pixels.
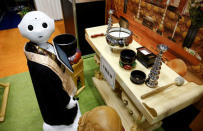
[
  {"x": 23, "y": 113},
  {"x": 89, "y": 97}
]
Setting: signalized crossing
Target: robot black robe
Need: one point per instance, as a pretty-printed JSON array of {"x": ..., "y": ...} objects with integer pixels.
[{"x": 51, "y": 96}]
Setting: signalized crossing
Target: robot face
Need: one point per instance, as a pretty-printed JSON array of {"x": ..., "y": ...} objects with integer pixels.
[{"x": 36, "y": 26}]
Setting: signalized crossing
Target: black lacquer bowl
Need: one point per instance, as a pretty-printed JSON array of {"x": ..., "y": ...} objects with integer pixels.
[
  {"x": 137, "y": 77},
  {"x": 127, "y": 59},
  {"x": 67, "y": 43},
  {"x": 127, "y": 56},
  {"x": 119, "y": 37}
]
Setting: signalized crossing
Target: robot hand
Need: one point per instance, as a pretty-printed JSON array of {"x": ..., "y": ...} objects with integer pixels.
[{"x": 72, "y": 103}]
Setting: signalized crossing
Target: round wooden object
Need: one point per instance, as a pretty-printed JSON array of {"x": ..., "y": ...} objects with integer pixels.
[
  {"x": 182, "y": 20},
  {"x": 143, "y": 4},
  {"x": 184, "y": 34},
  {"x": 156, "y": 9},
  {"x": 168, "y": 25},
  {"x": 178, "y": 30},
  {"x": 178, "y": 66},
  {"x": 149, "y": 6},
  {"x": 172, "y": 15},
  {"x": 197, "y": 39},
  {"x": 101, "y": 118},
  {"x": 189, "y": 23}
]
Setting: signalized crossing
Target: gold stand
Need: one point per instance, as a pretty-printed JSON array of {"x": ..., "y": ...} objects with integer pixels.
[
  {"x": 79, "y": 75},
  {"x": 4, "y": 101}
]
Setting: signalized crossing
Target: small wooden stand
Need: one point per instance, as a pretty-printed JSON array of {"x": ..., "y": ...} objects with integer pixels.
[
  {"x": 4, "y": 101},
  {"x": 78, "y": 75}
]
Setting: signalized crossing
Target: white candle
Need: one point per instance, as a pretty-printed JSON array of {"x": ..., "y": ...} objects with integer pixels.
[{"x": 119, "y": 34}]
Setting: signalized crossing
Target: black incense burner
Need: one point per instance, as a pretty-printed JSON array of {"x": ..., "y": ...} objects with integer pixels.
[
  {"x": 127, "y": 59},
  {"x": 145, "y": 57},
  {"x": 137, "y": 77}
]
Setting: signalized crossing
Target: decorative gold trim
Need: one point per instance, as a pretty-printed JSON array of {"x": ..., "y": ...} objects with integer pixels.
[{"x": 67, "y": 81}]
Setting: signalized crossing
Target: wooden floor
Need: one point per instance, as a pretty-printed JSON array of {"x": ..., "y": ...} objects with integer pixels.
[{"x": 12, "y": 58}]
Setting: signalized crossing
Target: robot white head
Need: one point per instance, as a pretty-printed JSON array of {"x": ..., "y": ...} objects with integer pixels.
[{"x": 36, "y": 26}]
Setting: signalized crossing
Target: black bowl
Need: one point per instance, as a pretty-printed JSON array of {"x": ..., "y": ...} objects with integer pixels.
[
  {"x": 127, "y": 56},
  {"x": 67, "y": 42},
  {"x": 137, "y": 77}
]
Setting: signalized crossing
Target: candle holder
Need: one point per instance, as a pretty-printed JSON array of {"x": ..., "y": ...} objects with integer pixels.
[{"x": 152, "y": 80}]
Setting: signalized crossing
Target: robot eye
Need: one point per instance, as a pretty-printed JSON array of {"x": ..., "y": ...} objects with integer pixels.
[
  {"x": 44, "y": 25},
  {"x": 30, "y": 27}
]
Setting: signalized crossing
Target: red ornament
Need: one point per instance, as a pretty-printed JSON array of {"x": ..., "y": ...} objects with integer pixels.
[{"x": 127, "y": 67}]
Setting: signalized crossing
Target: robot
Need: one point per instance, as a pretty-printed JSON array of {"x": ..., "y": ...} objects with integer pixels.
[{"x": 50, "y": 74}]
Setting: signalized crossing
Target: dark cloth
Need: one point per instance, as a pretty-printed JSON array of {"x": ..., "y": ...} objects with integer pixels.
[{"x": 51, "y": 96}]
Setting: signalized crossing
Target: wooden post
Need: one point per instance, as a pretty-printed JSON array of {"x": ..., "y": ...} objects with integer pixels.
[{"x": 4, "y": 101}]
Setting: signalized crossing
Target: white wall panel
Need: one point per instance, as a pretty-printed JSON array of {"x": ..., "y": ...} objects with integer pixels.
[{"x": 51, "y": 7}]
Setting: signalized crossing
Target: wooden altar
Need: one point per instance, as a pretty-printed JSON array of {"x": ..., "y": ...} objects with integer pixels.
[{"x": 137, "y": 113}]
